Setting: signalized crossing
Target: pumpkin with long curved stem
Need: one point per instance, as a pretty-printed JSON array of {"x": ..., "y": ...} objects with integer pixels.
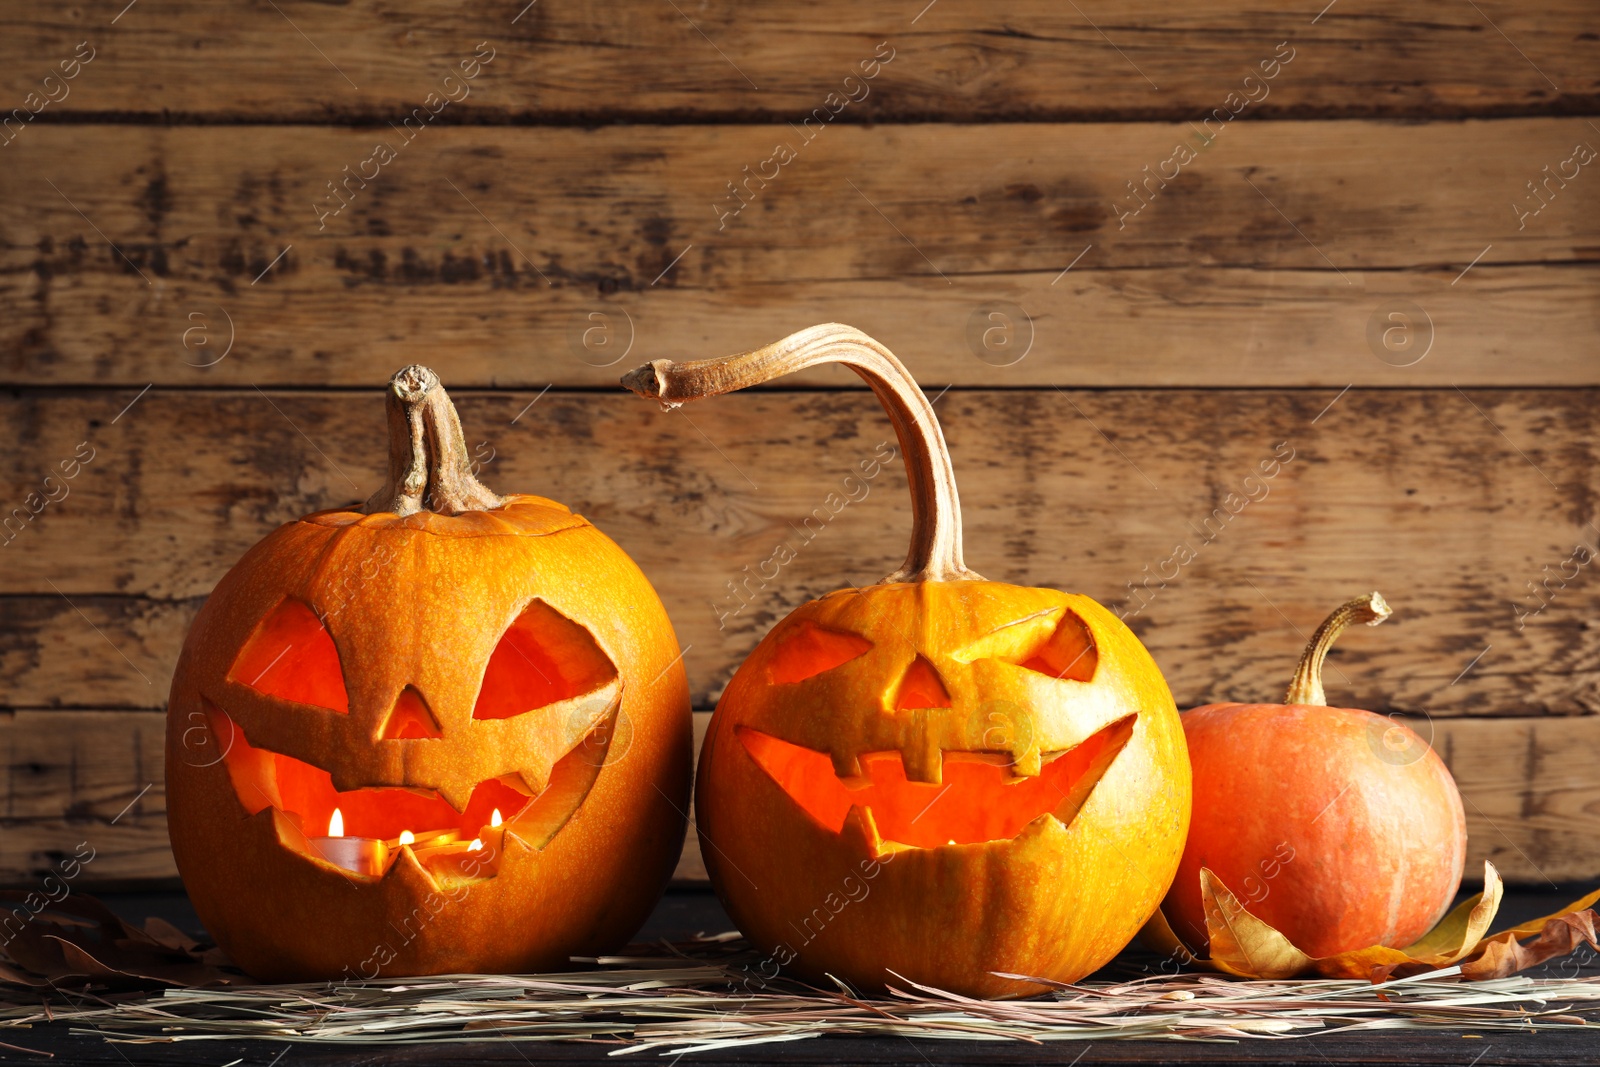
[
  {"x": 1338, "y": 827},
  {"x": 937, "y": 777},
  {"x": 442, "y": 732}
]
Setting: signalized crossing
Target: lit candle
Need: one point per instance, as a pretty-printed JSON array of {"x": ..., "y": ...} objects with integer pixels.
[
  {"x": 359, "y": 855},
  {"x": 460, "y": 859},
  {"x": 495, "y": 819},
  {"x": 425, "y": 839}
]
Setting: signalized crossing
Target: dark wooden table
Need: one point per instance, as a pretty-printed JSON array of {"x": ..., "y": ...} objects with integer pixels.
[{"x": 685, "y": 912}]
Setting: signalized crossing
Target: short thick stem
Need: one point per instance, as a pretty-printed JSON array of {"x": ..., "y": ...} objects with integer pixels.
[
  {"x": 429, "y": 466},
  {"x": 935, "y": 553},
  {"x": 1306, "y": 688}
]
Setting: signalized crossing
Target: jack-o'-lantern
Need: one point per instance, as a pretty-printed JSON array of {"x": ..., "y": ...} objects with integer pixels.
[
  {"x": 1338, "y": 827},
  {"x": 938, "y": 778},
  {"x": 441, "y": 732}
]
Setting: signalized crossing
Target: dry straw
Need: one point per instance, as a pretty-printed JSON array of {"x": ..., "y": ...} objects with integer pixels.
[{"x": 701, "y": 996}]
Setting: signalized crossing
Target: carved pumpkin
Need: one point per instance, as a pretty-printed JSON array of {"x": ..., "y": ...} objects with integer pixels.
[
  {"x": 1340, "y": 828},
  {"x": 936, "y": 777},
  {"x": 443, "y": 732}
]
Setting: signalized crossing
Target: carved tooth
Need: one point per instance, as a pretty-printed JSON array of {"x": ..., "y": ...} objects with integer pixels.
[
  {"x": 535, "y": 777},
  {"x": 286, "y": 826},
  {"x": 509, "y": 841},
  {"x": 407, "y": 870},
  {"x": 1027, "y": 763},
  {"x": 517, "y": 780},
  {"x": 924, "y": 762},
  {"x": 846, "y": 765},
  {"x": 364, "y": 778},
  {"x": 1046, "y": 827},
  {"x": 456, "y": 792},
  {"x": 860, "y": 832}
]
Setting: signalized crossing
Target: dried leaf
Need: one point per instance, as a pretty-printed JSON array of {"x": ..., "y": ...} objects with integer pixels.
[
  {"x": 35, "y": 951},
  {"x": 80, "y": 962},
  {"x": 1504, "y": 955},
  {"x": 1242, "y": 944},
  {"x": 1451, "y": 941},
  {"x": 1534, "y": 926},
  {"x": 1246, "y": 946},
  {"x": 1466, "y": 923},
  {"x": 80, "y": 938},
  {"x": 1158, "y": 937},
  {"x": 168, "y": 936},
  {"x": 15, "y": 976},
  {"x": 1376, "y": 963}
]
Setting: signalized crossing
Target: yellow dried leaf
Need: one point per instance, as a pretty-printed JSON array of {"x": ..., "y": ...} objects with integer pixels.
[
  {"x": 1242, "y": 944},
  {"x": 1534, "y": 926},
  {"x": 1157, "y": 936},
  {"x": 1246, "y": 946},
  {"x": 1452, "y": 940},
  {"x": 1465, "y": 926},
  {"x": 1375, "y": 964}
]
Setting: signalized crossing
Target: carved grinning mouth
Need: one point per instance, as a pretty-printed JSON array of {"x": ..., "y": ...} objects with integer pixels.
[
  {"x": 979, "y": 799},
  {"x": 300, "y": 798}
]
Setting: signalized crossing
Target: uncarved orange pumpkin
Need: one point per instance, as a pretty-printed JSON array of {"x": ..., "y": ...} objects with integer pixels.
[
  {"x": 937, "y": 777},
  {"x": 488, "y": 693},
  {"x": 1340, "y": 828}
]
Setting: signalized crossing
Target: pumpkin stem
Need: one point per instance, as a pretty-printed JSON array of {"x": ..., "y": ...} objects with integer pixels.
[
  {"x": 1306, "y": 688},
  {"x": 935, "y": 553},
  {"x": 429, "y": 466}
]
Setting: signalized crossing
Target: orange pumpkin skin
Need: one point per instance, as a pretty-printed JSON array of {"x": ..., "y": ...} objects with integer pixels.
[
  {"x": 419, "y": 605},
  {"x": 1347, "y": 822},
  {"x": 1052, "y": 896}
]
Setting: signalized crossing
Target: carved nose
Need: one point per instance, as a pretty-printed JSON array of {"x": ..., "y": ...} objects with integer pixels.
[
  {"x": 410, "y": 718},
  {"x": 920, "y": 687}
]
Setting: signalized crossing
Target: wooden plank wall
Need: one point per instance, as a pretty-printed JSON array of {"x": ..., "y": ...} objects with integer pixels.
[{"x": 1144, "y": 247}]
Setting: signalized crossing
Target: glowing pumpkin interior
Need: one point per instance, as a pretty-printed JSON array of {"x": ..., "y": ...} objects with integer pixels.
[
  {"x": 542, "y": 659},
  {"x": 980, "y": 796}
]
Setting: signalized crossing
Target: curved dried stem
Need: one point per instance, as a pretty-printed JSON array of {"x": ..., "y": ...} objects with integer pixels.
[
  {"x": 1306, "y": 688},
  {"x": 429, "y": 466},
  {"x": 935, "y": 553}
]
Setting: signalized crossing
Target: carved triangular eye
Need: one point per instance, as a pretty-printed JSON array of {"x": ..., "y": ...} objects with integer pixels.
[
  {"x": 410, "y": 718},
  {"x": 808, "y": 650},
  {"x": 543, "y": 658},
  {"x": 920, "y": 687},
  {"x": 291, "y": 656},
  {"x": 1061, "y": 648},
  {"x": 1070, "y": 652}
]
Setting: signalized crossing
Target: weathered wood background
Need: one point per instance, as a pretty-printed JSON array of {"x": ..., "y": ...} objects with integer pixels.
[{"x": 1355, "y": 270}]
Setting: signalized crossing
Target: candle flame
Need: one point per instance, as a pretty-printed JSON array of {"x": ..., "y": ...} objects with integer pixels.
[
  {"x": 475, "y": 846},
  {"x": 336, "y": 824},
  {"x": 407, "y": 837},
  {"x": 495, "y": 819}
]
